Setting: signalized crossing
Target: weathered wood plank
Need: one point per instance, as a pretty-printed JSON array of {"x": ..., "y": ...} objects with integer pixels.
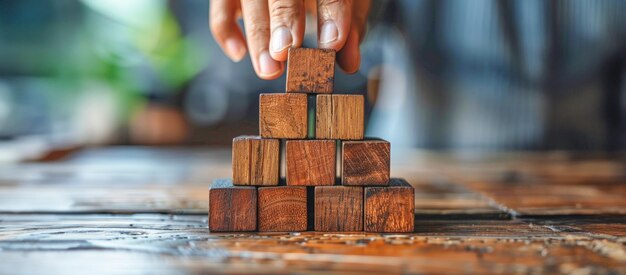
[
  {"x": 439, "y": 199},
  {"x": 181, "y": 244},
  {"x": 536, "y": 198},
  {"x": 596, "y": 226}
]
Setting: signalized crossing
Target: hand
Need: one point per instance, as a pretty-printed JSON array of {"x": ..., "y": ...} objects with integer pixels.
[{"x": 273, "y": 26}]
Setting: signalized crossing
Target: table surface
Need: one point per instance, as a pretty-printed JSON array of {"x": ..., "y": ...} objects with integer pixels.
[{"x": 137, "y": 209}]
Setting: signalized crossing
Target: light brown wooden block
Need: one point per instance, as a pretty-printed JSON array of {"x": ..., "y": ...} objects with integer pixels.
[
  {"x": 310, "y": 162},
  {"x": 365, "y": 162},
  {"x": 338, "y": 208},
  {"x": 283, "y": 116},
  {"x": 339, "y": 117},
  {"x": 282, "y": 209},
  {"x": 310, "y": 70},
  {"x": 255, "y": 161},
  {"x": 390, "y": 208},
  {"x": 232, "y": 208}
]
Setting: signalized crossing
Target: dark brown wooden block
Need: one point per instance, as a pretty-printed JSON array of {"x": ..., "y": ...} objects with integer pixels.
[
  {"x": 338, "y": 208},
  {"x": 310, "y": 162},
  {"x": 283, "y": 116},
  {"x": 390, "y": 208},
  {"x": 232, "y": 208},
  {"x": 282, "y": 209},
  {"x": 255, "y": 161},
  {"x": 339, "y": 117},
  {"x": 365, "y": 162},
  {"x": 310, "y": 70}
]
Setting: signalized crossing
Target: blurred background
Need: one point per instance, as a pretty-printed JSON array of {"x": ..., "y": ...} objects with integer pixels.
[{"x": 443, "y": 75}]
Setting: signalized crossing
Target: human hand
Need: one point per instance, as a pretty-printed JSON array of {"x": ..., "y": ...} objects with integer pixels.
[{"x": 273, "y": 26}]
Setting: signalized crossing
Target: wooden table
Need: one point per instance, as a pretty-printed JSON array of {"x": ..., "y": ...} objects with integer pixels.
[{"x": 130, "y": 209}]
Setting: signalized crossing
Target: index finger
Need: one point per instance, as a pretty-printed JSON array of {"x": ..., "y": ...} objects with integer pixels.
[{"x": 223, "y": 24}]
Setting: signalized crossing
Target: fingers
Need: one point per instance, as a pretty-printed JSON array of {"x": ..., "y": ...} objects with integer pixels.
[
  {"x": 359, "y": 16},
  {"x": 272, "y": 28},
  {"x": 349, "y": 57},
  {"x": 287, "y": 25},
  {"x": 333, "y": 23},
  {"x": 223, "y": 23},
  {"x": 257, "y": 25}
]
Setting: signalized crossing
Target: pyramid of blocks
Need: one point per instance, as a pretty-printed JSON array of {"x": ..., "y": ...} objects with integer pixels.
[{"x": 310, "y": 196}]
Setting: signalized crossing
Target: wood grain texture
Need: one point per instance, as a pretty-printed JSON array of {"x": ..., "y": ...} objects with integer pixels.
[
  {"x": 310, "y": 70},
  {"x": 232, "y": 208},
  {"x": 255, "y": 161},
  {"x": 338, "y": 208},
  {"x": 144, "y": 210},
  {"x": 283, "y": 209},
  {"x": 365, "y": 162},
  {"x": 283, "y": 116},
  {"x": 533, "y": 197},
  {"x": 164, "y": 243},
  {"x": 390, "y": 208},
  {"x": 339, "y": 117},
  {"x": 310, "y": 162}
]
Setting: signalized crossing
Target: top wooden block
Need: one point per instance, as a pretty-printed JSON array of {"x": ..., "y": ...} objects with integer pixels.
[
  {"x": 283, "y": 116},
  {"x": 310, "y": 71}
]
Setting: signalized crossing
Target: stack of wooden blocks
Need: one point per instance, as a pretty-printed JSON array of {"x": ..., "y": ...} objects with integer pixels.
[{"x": 310, "y": 197}]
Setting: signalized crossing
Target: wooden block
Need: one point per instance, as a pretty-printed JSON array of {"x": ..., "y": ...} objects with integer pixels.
[
  {"x": 310, "y": 162},
  {"x": 338, "y": 208},
  {"x": 390, "y": 208},
  {"x": 339, "y": 117},
  {"x": 232, "y": 208},
  {"x": 365, "y": 162},
  {"x": 282, "y": 209},
  {"x": 255, "y": 161},
  {"x": 283, "y": 116},
  {"x": 310, "y": 70}
]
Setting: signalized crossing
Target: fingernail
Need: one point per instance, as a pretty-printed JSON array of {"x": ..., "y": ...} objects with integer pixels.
[
  {"x": 329, "y": 32},
  {"x": 268, "y": 65},
  {"x": 281, "y": 39},
  {"x": 235, "y": 49}
]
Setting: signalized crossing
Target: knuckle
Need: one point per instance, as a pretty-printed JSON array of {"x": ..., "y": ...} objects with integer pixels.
[
  {"x": 218, "y": 24},
  {"x": 284, "y": 9},
  {"x": 332, "y": 8},
  {"x": 258, "y": 31},
  {"x": 330, "y": 2}
]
